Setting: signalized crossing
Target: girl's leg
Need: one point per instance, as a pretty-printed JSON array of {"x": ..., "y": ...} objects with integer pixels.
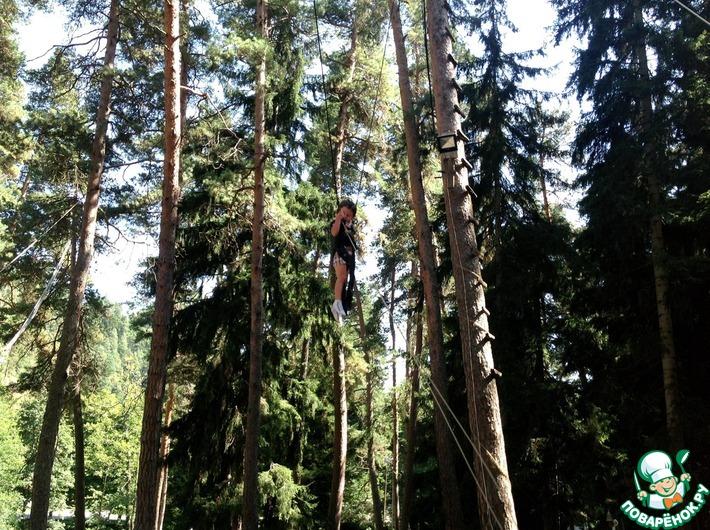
[{"x": 341, "y": 274}]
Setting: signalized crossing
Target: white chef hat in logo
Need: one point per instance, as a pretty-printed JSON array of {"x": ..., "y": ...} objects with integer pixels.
[{"x": 655, "y": 466}]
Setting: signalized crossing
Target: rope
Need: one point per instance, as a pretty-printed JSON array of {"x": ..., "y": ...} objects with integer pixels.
[
  {"x": 428, "y": 67},
  {"x": 374, "y": 109},
  {"x": 484, "y": 491},
  {"x": 439, "y": 397},
  {"x": 47, "y": 289},
  {"x": 325, "y": 97},
  {"x": 691, "y": 11},
  {"x": 452, "y": 431},
  {"x": 458, "y": 444},
  {"x": 327, "y": 113},
  {"x": 37, "y": 239}
]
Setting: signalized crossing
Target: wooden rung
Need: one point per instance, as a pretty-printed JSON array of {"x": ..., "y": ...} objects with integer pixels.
[
  {"x": 483, "y": 311},
  {"x": 495, "y": 374},
  {"x": 461, "y": 135},
  {"x": 450, "y": 34},
  {"x": 457, "y": 86},
  {"x": 470, "y": 190},
  {"x": 477, "y": 255},
  {"x": 460, "y": 112},
  {"x": 451, "y": 59},
  {"x": 464, "y": 163}
]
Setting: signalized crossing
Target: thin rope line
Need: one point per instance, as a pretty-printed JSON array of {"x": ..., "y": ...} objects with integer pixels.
[
  {"x": 325, "y": 97},
  {"x": 374, "y": 109},
  {"x": 469, "y": 361},
  {"x": 440, "y": 397},
  {"x": 458, "y": 444},
  {"x": 428, "y": 68},
  {"x": 691, "y": 11},
  {"x": 453, "y": 415},
  {"x": 428, "y": 379},
  {"x": 37, "y": 239}
]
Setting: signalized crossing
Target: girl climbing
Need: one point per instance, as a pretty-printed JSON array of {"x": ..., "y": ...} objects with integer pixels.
[{"x": 343, "y": 260}]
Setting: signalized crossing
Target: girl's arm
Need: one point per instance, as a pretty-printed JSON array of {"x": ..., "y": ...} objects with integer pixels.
[{"x": 335, "y": 227}]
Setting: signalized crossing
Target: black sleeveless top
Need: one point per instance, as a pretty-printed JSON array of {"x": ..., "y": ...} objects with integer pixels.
[{"x": 344, "y": 245}]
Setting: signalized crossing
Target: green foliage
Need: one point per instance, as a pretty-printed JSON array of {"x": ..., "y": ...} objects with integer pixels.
[
  {"x": 11, "y": 450},
  {"x": 573, "y": 310},
  {"x": 282, "y": 498},
  {"x": 29, "y": 421},
  {"x": 112, "y": 426}
]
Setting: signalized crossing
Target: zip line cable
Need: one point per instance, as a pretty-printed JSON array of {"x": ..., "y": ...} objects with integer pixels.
[
  {"x": 439, "y": 397},
  {"x": 453, "y": 415},
  {"x": 37, "y": 239},
  {"x": 327, "y": 113},
  {"x": 428, "y": 67},
  {"x": 458, "y": 444},
  {"x": 374, "y": 110},
  {"x": 468, "y": 332},
  {"x": 691, "y": 11},
  {"x": 325, "y": 97}
]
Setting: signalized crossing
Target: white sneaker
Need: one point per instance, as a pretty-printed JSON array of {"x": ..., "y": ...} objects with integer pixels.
[
  {"x": 336, "y": 310},
  {"x": 343, "y": 314}
]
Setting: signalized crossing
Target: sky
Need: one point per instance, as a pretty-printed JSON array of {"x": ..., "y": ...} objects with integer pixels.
[{"x": 113, "y": 272}]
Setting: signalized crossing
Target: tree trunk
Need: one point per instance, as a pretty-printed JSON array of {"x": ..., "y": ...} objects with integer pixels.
[
  {"x": 395, "y": 415},
  {"x": 659, "y": 257},
  {"x": 346, "y": 98},
  {"x": 408, "y": 473},
  {"x": 251, "y": 444},
  {"x": 148, "y": 491},
  {"x": 371, "y": 466},
  {"x": 300, "y": 435},
  {"x": 44, "y": 460},
  {"x": 432, "y": 291},
  {"x": 170, "y": 405},
  {"x": 340, "y": 439},
  {"x": 79, "y": 466},
  {"x": 543, "y": 183},
  {"x": 495, "y": 495},
  {"x": 164, "y": 450}
]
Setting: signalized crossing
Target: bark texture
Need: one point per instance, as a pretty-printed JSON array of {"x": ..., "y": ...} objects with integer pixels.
[
  {"x": 669, "y": 359},
  {"x": 44, "y": 461},
  {"x": 148, "y": 491},
  {"x": 79, "y": 461},
  {"x": 164, "y": 450},
  {"x": 495, "y": 497},
  {"x": 250, "y": 514},
  {"x": 340, "y": 441},
  {"x": 432, "y": 291},
  {"x": 395, "y": 412},
  {"x": 346, "y": 98},
  {"x": 408, "y": 472},
  {"x": 371, "y": 466}
]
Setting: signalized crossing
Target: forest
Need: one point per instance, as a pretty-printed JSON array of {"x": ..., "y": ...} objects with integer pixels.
[{"x": 527, "y": 338}]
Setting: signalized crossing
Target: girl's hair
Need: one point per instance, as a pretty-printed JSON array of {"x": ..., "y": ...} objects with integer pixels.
[{"x": 347, "y": 203}]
